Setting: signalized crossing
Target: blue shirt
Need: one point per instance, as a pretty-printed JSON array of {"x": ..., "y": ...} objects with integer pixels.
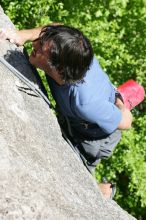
[{"x": 91, "y": 100}]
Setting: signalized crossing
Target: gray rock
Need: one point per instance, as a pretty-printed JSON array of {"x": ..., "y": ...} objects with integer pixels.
[{"x": 40, "y": 175}]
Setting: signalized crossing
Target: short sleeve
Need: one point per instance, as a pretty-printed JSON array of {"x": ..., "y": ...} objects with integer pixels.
[{"x": 104, "y": 113}]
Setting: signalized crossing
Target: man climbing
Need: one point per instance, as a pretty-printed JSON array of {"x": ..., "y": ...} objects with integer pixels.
[{"x": 90, "y": 111}]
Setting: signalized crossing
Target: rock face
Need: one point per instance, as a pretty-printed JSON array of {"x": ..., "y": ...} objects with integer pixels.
[{"x": 40, "y": 175}]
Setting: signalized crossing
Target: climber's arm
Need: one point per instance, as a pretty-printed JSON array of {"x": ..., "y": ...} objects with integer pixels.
[
  {"x": 20, "y": 37},
  {"x": 126, "y": 120}
]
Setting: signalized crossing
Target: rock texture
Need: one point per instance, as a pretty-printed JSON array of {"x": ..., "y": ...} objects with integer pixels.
[{"x": 40, "y": 175}]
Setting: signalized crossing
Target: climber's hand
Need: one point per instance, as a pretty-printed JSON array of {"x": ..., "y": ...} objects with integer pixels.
[
  {"x": 119, "y": 103},
  {"x": 19, "y": 37},
  {"x": 14, "y": 36}
]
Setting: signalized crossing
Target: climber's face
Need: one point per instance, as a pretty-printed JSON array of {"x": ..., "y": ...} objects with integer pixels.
[
  {"x": 40, "y": 59},
  {"x": 39, "y": 56}
]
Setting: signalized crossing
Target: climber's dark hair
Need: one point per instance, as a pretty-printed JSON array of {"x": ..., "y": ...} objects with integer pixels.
[{"x": 70, "y": 52}]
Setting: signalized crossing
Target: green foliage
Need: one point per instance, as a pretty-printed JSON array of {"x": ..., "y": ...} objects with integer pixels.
[
  {"x": 28, "y": 13},
  {"x": 116, "y": 29},
  {"x": 44, "y": 80}
]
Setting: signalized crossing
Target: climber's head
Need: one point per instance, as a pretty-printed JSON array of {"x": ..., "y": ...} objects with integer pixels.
[{"x": 64, "y": 50}]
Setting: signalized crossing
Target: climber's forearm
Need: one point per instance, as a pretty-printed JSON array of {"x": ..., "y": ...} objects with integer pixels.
[
  {"x": 20, "y": 37},
  {"x": 126, "y": 120},
  {"x": 30, "y": 34}
]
